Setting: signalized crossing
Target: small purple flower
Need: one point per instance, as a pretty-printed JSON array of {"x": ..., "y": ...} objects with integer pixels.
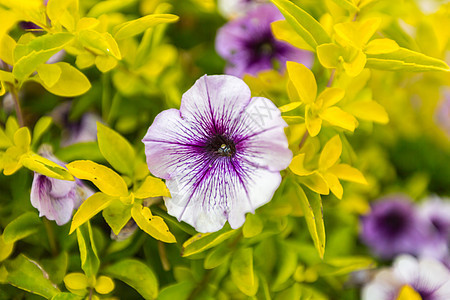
[
  {"x": 56, "y": 199},
  {"x": 393, "y": 227},
  {"x": 442, "y": 114},
  {"x": 428, "y": 277},
  {"x": 220, "y": 154},
  {"x": 248, "y": 45}
]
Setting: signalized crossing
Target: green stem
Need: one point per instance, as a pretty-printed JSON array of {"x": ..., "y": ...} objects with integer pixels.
[
  {"x": 302, "y": 142},
  {"x": 330, "y": 81},
  {"x": 201, "y": 286},
  {"x": 163, "y": 256},
  {"x": 51, "y": 236}
]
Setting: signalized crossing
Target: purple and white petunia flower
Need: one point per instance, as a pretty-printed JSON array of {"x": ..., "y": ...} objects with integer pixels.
[
  {"x": 427, "y": 276},
  {"x": 54, "y": 198},
  {"x": 221, "y": 154},
  {"x": 248, "y": 45},
  {"x": 393, "y": 227}
]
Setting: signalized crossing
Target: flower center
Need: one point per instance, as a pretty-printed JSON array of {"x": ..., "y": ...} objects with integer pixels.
[
  {"x": 221, "y": 145},
  {"x": 393, "y": 223}
]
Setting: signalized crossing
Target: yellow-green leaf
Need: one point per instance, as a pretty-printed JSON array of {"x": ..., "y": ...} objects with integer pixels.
[
  {"x": 242, "y": 273},
  {"x": 328, "y": 55},
  {"x": 5, "y": 249},
  {"x": 64, "y": 12},
  {"x": 137, "y": 26},
  {"x": 289, "y": 107},
  {"x": 152, "y": 187},
  {"x": 311, "y": 204},
  {"x": 369, "y": 111},
  {"x": 153, "y": 225},
  {"x": 71, "y": 82},
  {"x": 253, "y": 226},
  {"x": 313, "y": 122},
  {"x": 379, "y": 46},
  {"x": 303, "y": 23},
  {"x": 356, "y": 65},
  {"x": 44, "y": 166},
  {"x": 41, "y": 126},
  {"x": 76, "y": 281},
  {"x": 298, "y": 165},
  {"x": 89, "y": 208},
  {"x": 105, "y": 63},
  {"x": 331, "y": 96},
  {"x": 334, "y": 184},
  {"x": 356, "y": 34},
  {"x": 22, "y": 139},
  {"x": 330, "y": 153},
  {"x": 348, "y": 173},
  {"x": 337, "y": 117},
  {"x": 108, "y": 181},
  {"x": 21, "y": 227},
  {"x": 7, "y": 49},
  {"x": 116, "y": 149},
  {"x": 117, "y": 214},
  {"x": 303, "y": 80},
  {"x": 104, "y": 285},
  {"x": 405, "y": 60},
  {"x": 49, "y": 73},
  {"x": 316, "y": 183},
  {"x": 284, "y": 32},
  {"x": 204, "y": 241}
]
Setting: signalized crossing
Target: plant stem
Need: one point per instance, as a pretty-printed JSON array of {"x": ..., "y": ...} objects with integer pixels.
[
  {"x": 330, "y": 81},
  {"x": 163, "y": 256},
  {"x": 51, "y": 236},
  {"x": 302, "y": 142},
  {"x": 15, "y": 96}
]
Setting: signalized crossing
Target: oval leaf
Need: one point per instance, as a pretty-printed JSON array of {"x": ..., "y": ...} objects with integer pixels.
[{"x": 89, "y": 208}]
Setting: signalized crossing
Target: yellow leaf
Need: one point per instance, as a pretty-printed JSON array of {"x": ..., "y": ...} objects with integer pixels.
[
  {"x": 316, "y": 183},
  {"x": 368, "y": 110},
  {"x": 108, "y": 181},
  {"x": 348, "y": 173},
  {"x": 328, "y": 55},
  {"x": 22, "y": 139},
  {"x": 45, "y": 166},
  {"x": 292, "y": 92},
  {"x": 153, "y": 225},
  {"x": 330, "y": 153},
  {"x": 297, "y": 165},
  {"x": 11, "y": 161},
  {"x": 331, "y": 96},
  {"x": 105, "y": 63},
  {"x": 131, "y": 28},
  {"x": 356, "y": 65},
  {"x": 408, "y": 293},
  {"x": 89, "y": 208},
  {"x": 289, "y": 107},
  {"x": 303, "y": 80},
  {"x": 334, "y": 184},
  {"x": 380, "y": 46},
  {"x": 284, "y": 32},
  {"x": 104, "y": 285},
  {"x": 49, "y": 73},
  {"x": 87, "y": 23},
  {"x": 313, "y": 123},
  {"x": 356, "y": 34},
  {"x": 85, "y": 60},
  {"x": 337, "y": 117},
  {"x": 152, "y": 187},
  {"x": 76, "y": 281},
  {"x": 7, "y": 49}
]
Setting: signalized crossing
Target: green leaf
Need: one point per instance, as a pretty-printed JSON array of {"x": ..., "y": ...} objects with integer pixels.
[
  {"x": 347, "y": 4},
  {"x": 153, "y": 225},
  {"x": 63, "y": 12},
  {"x": 110, "y": 6},
  {"x": 5, "y": 249},
  {"x": 303, "y": 23},
  {"x": 108, "y": 181},
  {"x": 103, "y": 43},
  {"x": 117, "y": 215},
  {"x": 179, "y": 291},
  {"x": 405, "y": 60},
  {"x": 217, "y": 256},
  {"x": 40, "y": 128},
  {"x": 152, "y": 187},
  {"x": 56, "y": 267},
  {"x": 26, "y": 275},
  {"x": 89, "y": 208},
  {"x": 21, "y": 227},
  {"x": 134, "y": 27},
  {"x": 253, "y": 226},
  {"x": 45, "y": 166},
  {"x": 54, "y": 42},
  {"x": 66, "y": 296},
  {"x": 71, "y": 83},
  {"x": 345, "y": 265},
  {"x": 242, "y": 273},
  {"x": 87, "y": 150},
  {"x": 116, "y": 149},
  {"x": 137, "y": 275},
  {"x": 311, "y": 204},
  {"x": 88, "y": 253},
  {"x": 204, "y": 241},
  {"x": 287, "y": 265}
]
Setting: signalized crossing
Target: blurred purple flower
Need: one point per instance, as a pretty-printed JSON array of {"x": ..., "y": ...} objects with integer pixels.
[
  {"x": 220, "y": 154},
  {"x": 442, "y": 114},
  {"x": 56, "y": 199},
  {"x": 393, "y": 227},
  {"x": 77, "y": 131},
  {"x": 248, "y": 45},
  {"x": 428, "y": 277}
]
